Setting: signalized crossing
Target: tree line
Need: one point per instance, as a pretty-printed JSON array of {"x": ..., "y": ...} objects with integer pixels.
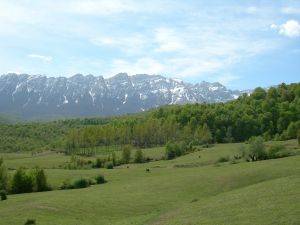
[{"x": 272, "y": 113}]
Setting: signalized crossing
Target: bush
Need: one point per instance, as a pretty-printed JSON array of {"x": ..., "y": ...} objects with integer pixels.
[
  {"x": 223, "y": 159},
  {"x": 3, "y": 176},
  {"x": 3, "y": 195},
  {"x": 77, "y": 162},
  {"x": 66, "y": 185},
  {"x": 22, "y": 182},
  {"x": 257, "y": 150},
  {"x": 139, "y": 157},
  {"x": 81, "y": 183},
  {"x": 41, "y": 180},
  {"x": 277, "y": 151},
  {"x": 100, "y": 179},
  {"x": 114, "y": 159},
  {"x": 171, "y": 150},
  {"x": 30, "y": 222},
  {"x": 99, "y": 163},
  {"x": 109, "y": 165},
  {"x": 126, "y": 153},
  {"x": 175, "y": 149}
]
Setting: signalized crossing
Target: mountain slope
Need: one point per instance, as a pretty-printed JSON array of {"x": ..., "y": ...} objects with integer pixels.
[{"x": 45, "y": 97}]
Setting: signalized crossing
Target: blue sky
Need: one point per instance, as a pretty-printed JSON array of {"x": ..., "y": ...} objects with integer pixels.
[{"x": 242, "y": 44}]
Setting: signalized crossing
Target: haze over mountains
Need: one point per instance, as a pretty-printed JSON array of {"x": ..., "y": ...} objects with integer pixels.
[{"x": 36, "y": 96}]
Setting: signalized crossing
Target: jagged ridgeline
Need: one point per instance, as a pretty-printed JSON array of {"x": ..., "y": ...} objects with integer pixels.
[
  {"x": 272, "y": 113},
  {"x": 41, "y": 97}
]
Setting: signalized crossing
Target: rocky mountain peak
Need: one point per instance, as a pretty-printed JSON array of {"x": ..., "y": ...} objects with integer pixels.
[{"x": 38, "y": 96}]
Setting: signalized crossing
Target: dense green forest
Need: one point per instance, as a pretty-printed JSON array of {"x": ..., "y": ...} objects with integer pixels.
[{"x": 272, "y": 113}]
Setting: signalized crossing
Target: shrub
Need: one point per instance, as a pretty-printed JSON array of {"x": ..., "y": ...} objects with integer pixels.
[
  {"x": 126, "y": 153},
  {"x": 223, "y": 159},
  {"x": 30, "y": 222},
  {"x": 66, "y": 185},
  {"x": 81, "y": 183},
  {"x": 41, "y": 180},
  {"x": 3, "y": 195},
  {"x": 139, "y": 157},
  {"x": 3, "y": 176},
  {"x": 277, "y": 151},
  {"x": 100, "y": 179},
  {"x": 22, "y": 182},
  {"x": 170, "y": 150},
  {"x": 109, "y": 165},
  {"x": 256, "y": 150},
  {"x": 77, "y": 162},
  {"x": 237, "y": 157},
  {"x": 99, "y": 163},
  {"x": 92, "y": 181},
  {"x": 114, "y": 158},
  {"x": 175, "y": 149}
]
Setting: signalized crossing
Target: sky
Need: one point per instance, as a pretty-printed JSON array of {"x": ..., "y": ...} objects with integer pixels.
[{"x": 241, "y": 44}]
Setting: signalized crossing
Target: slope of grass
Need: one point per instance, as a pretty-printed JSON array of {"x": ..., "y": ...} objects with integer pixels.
[
  {"x": 274, "y": 201},
  {"x": 264, "y": 192}
]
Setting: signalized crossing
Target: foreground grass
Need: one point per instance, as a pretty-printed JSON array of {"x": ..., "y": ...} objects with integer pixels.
[{"x": 187, "y": 190}]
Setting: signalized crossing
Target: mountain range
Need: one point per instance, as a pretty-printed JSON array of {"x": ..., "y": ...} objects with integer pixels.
[{"x": 37, "y": 96}]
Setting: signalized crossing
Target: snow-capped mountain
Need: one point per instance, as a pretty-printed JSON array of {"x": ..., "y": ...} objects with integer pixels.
[{"x": 36, "y": 96}]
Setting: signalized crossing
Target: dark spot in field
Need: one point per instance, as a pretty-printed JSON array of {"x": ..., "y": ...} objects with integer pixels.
[
  {"x": 157, "y": 166},
  {"x": 194, "y": 200}
]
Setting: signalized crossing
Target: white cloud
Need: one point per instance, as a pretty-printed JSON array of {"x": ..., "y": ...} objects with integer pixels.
[
  {"x": 14, "y": 13},
  {"x": 189, "y": 42},
  {"x": 251, "y": 10},
  {"x": 190, "y": 66},
  {"x": 196, "y": 52},
  {"x": 131, "y": 44},
  {"x": 274, "y": 26},
  {"x": 168, "y": 40},
  {"x": 226, "y": 79},
  {"x": 113, "y": 7},
  {"x": 44, "y": 58},
  {"x": 291, "y": 10},
  {"x": 101, "y": 7},
  {"x": 290, "y": 28}
]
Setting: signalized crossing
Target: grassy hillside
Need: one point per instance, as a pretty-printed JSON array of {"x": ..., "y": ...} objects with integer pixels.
[{"x": 192, "y": 189}]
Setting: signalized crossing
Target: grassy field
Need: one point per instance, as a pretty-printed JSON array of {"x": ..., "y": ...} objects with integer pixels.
[{"x": 192, "y": 189}]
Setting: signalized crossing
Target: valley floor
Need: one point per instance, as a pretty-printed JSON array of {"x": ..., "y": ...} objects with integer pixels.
[{"x": 192, "y": 189}]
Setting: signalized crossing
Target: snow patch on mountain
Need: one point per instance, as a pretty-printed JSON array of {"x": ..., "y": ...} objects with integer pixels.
[{"x": 79, "y": 95}]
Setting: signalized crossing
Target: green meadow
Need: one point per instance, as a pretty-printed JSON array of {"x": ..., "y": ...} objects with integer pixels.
[{"x": 191, "y": 189}]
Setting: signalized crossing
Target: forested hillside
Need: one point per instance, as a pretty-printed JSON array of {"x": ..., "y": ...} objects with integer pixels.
[{"x": 274, "y": 114}]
